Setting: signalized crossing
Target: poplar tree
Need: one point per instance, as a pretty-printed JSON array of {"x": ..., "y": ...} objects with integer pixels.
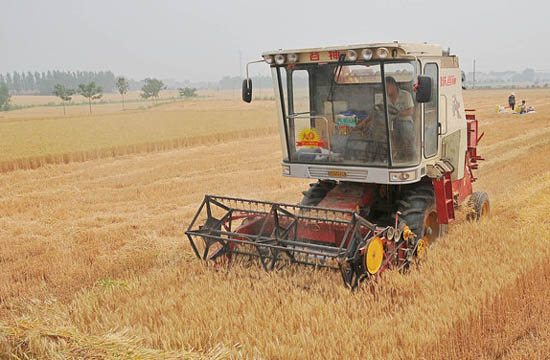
[
  {"x": 64, "y": 94},
  {"x": 90, "y": 91},
  {"x": 122, "y": 85},
  {"x": 4, "y": 96},
  {"x": 151, "y": 89}
]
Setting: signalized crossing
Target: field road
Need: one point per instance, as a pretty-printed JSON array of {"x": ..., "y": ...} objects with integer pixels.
[{"x": 93, "y": 262}]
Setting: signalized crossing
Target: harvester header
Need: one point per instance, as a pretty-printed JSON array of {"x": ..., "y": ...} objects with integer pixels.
[{"x": 279, "y": 234}]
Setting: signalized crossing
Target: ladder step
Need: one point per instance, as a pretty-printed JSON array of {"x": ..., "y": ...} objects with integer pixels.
[{"x": 445, "y": 204}]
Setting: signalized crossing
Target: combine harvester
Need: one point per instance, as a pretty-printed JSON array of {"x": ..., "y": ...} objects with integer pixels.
[{"x": 384, "y": 130}]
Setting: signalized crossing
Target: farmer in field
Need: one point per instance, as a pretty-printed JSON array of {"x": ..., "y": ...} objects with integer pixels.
[
  {"x": 523, "y": 107},
  {"x": 512, "y": 101}
]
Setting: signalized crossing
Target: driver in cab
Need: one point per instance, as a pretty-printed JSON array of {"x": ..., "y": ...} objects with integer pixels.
[
  {"x": 400, "y": 108},
  {"x": 400, "y": 105}
]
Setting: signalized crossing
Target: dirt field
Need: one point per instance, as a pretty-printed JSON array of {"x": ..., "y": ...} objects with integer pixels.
[{"x": 94, "y": 263}]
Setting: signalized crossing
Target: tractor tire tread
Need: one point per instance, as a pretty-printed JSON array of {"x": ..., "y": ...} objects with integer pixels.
[
  {"x": 421, "y": 197},
  {"x": 411, "y": 211},
  {"x": 419, "y": 200},
  {"x": 403, "y": 203}
]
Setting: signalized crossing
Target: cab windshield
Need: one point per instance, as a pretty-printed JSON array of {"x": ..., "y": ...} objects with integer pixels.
[{"x": 349, "y": 114}]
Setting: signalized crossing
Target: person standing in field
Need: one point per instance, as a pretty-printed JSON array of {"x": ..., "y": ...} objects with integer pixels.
[{"x": 512, "y": 101}]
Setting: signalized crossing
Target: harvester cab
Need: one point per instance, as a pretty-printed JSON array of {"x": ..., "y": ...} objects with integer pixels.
[{"x": 383, "y": 129}]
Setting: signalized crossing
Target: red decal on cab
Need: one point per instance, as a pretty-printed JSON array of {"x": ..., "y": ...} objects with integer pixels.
[
  {"x": 447, "y": 80},
  {"x": 314, "y": 56},
  {"x": 334, "y": 54}
]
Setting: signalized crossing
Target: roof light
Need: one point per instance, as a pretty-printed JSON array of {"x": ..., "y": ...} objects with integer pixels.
[
  {"x": 268, "y": 59},
  {"x": 279, "y": 59},
  {"x": 292, "y": 58},
  {"x": 382, "y": 53},
  {"x": 366, "y": 54},
  {"x": 352, "y": 55}
]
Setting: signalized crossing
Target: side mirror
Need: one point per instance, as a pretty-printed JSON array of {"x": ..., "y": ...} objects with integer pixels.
[
  {"x": 424, "y": 89},
  {"x": 463, "y": 81},
  {"x": 247, "y": 90}
]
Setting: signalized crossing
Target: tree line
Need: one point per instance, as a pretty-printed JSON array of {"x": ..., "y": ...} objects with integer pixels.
[
  {"x": 43, "y": 83},
  {"x": 150, "y": 90}
]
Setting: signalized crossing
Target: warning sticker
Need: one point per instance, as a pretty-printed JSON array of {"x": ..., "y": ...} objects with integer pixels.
[{"x": 309, "y": 138}]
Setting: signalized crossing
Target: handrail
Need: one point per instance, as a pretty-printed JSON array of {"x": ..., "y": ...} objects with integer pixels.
[{"x": 248, "y": 63}]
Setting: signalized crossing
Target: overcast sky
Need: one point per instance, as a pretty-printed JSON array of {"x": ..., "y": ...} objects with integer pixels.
[{"x": 201, "y": 40}]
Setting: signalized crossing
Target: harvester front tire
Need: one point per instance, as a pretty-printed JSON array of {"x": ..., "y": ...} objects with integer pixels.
[
  {"x": 479, "y": 206},
  {"x": 418, "y": 210}
]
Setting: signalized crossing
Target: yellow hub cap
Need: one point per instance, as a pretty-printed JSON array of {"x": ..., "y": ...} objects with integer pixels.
[
  {"x": 421, "y": 248},
  {"x": 374, "y": 255},
  {"x": 485, "y": 209}
]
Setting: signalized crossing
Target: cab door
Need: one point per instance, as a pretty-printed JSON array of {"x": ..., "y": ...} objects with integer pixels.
[{"x": 431, "y": 112}]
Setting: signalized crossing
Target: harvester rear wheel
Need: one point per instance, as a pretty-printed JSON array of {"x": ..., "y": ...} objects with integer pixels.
[
  {"x": 479, "y": 206},
  {"x": 418, "y": 210}
]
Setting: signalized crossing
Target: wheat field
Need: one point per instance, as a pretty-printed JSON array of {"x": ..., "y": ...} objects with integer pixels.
[
  {"x": 40, "y": 138},
  {"x": 94, "y": 263}
]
